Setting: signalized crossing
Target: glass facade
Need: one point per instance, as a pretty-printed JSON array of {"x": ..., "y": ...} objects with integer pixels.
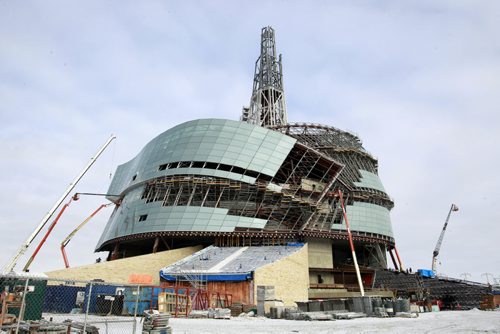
[
  {"x": 210, "y": 140},
  {"x": 214, "y": 142},
  {"x": 222, "y": 176},
  {"x": 370, "y": 180},
  {"x": 369, "y": 218}
]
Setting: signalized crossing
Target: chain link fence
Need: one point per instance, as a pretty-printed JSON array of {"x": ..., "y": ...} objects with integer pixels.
[{"x": 43, "y": 305}]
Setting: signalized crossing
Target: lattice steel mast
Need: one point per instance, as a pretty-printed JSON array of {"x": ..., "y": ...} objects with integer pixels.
[{"x": 267, "y": 104}]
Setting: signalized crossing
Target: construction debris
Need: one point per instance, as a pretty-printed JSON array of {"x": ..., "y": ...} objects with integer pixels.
[
  {"x": 213, "y": 313},
  {"x": 236, "y": 309},
  {"x": 219, "y": 313},
  {"x": 198, "y": 314},
  {"x": 44, "y": 326},
  {"x": 380, "y": 312},
  {"x": 349, "y": 315},
  {"x": 246, "y": 315},
  {"x": 406, "y": 315},
  {"x": 79, "y": 326}
]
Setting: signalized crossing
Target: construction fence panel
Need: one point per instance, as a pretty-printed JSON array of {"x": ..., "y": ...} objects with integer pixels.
[{"x": 42, "y": 305}]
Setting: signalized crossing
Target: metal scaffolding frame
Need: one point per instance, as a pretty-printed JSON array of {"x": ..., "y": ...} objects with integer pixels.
[
  {"x": 346, "y": 148},
  {"x": 267, "y": 104},
  {"x": 294, "y": 199}
]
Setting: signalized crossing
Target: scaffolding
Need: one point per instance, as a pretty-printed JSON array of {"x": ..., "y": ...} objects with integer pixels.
[
  {"x": 267, "y": 104},
  {"x": 346, "y": 148}
]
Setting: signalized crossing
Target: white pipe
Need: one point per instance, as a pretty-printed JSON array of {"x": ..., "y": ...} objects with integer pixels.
[
  {"x": 13, "y": 262},
  {"x": 358, "y": 274}
]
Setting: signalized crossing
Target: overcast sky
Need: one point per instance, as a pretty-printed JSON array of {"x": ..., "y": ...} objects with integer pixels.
[{"x": 418, "y": 81}]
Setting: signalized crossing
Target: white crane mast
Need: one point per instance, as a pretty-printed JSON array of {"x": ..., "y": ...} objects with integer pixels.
[
  {"x": 12, "y": 263},
  {"x": 440, "y": 240}
]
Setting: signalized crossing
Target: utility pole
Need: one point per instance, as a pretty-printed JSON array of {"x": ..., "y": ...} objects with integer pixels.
[
  {"x": 267, "y": 104},
  {"x": 464, "y": 275},
  {"x": 487, "y": 277}
]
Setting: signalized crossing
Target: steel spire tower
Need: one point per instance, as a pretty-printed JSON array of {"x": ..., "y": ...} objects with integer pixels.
[{"x": 267, "y": 104}]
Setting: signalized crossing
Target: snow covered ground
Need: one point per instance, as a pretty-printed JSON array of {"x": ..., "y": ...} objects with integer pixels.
[
  {"x": 455, "y": 322},
  {"x": 473, "y": 321}
]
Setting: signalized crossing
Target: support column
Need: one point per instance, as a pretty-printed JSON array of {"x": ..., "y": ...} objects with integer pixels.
[
  {"x": 156, "y": 244},
  {"x": 399, "y": 259},
  {"x": 393, "y": 260}
]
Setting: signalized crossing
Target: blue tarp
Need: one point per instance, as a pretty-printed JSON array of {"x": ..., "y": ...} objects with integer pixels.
[
  {"x": 295, "y": 244},
  {"x": 426, "y": 273},
  {"x": 210, "y": 278}
]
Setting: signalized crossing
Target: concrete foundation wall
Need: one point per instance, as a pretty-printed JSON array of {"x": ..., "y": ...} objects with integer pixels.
[
  {"x": 343, "y": 293},
  {"x": 118, "y": 271},
  {"x": 289, "y": 276},
  {"x": 320, "y": 253}
]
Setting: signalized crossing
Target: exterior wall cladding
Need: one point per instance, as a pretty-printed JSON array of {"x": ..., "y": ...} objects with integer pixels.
[{"x": 211, "y": 179}]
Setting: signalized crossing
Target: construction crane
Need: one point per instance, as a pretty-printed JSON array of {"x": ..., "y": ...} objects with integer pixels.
[
  {"x": 24, "y": 247},
  {"x": 75, "y": 197},
  {"x": 65, "y": 242},
  {"x": 440, "y": 240}
]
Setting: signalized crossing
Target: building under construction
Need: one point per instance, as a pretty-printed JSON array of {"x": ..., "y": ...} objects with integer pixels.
[
  {"x": 232, "y": 205},
  {"x": 260, "y": 181}
]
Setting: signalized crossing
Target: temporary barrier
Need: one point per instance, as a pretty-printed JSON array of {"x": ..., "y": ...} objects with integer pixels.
[
  {"x": 27, "y": 296},
  {"x": 63, "y": 298},
  {"x": 65, "y": 306}
]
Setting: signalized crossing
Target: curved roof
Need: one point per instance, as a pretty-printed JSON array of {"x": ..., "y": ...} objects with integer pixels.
[
  {"x": 234, "y": 143},
  {"x": 321, "y": 136},
  {"x": 217, "y": 141},
  {"x": 275, "y": 174}
]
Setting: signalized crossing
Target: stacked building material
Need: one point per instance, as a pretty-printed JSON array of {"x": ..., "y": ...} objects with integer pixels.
[
  {"x": 357, "y": 305},
  {"x": 236, "y": 309},
  {"x": 156, "y": 323},
  {"x": 349, "y": 315},
  {"x": 198, "y": 314},
  {"x": 43, "y": 326},
  {"x": 314, "y": 306},
  {"x": 333, "y": 305},
  {"x": 367, "y": 305},
  {"x": 219, "y": 313},
  {"x": 265, "y": 295},
  {"x": 277, "y": 312},
  {"x": 402, "y": 305},
  {"x": 378, "y": 307},
  {"x": 318, "y": 316},
  {"x": 79, "y": 326}
]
